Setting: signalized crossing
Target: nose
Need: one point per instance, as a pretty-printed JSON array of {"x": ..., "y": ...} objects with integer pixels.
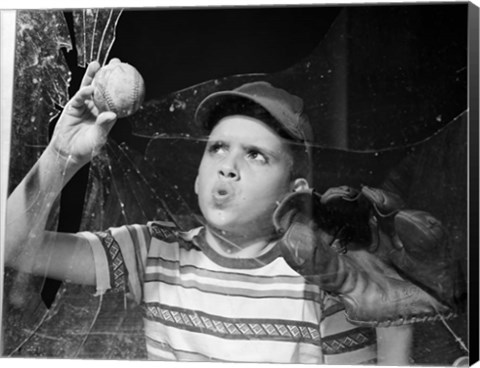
[{"x": 229, "y": 170}]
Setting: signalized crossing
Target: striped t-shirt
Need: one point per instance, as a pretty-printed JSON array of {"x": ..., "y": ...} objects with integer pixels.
[{"x": 199, "y": 305}]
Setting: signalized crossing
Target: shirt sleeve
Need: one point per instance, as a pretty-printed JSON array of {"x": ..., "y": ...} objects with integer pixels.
[
  {"x": 343, "y": 342},
  {"x": 120, "y": 256}
]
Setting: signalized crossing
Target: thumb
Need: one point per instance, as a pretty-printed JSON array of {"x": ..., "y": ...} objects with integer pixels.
[
  {"x": 106, "y": 120},
  {"x": 103, "y": 125}
]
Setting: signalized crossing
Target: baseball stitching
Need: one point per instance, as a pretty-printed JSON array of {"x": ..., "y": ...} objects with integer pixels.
[{"x": 108, "y": 98}]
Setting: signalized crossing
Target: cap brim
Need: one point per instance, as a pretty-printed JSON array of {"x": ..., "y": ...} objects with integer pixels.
[{"x": 207, "y": 113}]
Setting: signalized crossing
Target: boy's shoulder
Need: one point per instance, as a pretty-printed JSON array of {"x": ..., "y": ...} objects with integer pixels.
[
  {"x": 163, "y": 230},
  {"x": 169, "y": 232}
]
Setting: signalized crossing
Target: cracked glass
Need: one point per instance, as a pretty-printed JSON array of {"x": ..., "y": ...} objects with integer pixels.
[{"x": 387, "y": 108}]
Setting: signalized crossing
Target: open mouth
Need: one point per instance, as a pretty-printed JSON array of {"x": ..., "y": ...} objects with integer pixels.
[{"x": 222, "y": 194}]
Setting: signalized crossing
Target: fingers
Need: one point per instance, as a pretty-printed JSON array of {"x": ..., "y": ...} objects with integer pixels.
[
  {"x": 92, "y": 69},
  {"x": 83, "y": 98},
  {"x": 83, "y": 94},
  {"x": 114, "y": 61}
]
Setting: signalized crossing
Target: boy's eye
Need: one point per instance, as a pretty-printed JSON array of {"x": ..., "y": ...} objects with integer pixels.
[
  {"x": 217, "y": 147},
  {"x": 257, "y": 157}
]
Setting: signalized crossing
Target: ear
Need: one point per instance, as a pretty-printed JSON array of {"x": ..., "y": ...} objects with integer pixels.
[
  {"x": 196, "y": 185},
  {"x": 300, "y": 184}
]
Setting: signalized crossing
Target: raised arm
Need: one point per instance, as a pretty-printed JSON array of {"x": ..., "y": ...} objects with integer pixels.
[{"x": 79, "y": 134}]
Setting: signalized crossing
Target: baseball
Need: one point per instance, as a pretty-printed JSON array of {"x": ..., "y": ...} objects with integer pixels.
[{"x": 119, "y": 88}]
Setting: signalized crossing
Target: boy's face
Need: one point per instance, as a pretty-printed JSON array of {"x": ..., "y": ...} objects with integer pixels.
[{"x": 244, "y": 171}]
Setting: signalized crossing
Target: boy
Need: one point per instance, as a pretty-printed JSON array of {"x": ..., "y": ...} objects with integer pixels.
[{"x": 220, "y": 292}]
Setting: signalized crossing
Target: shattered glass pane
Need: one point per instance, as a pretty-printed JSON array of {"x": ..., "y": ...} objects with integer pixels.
[
  {"x": 388, "y": 109},
  {"x": 42, "y": 78},
  {"x": 94, "y": 31},
  {"x": 125, "y": 184},
  {"x": 41, "y": 85}
]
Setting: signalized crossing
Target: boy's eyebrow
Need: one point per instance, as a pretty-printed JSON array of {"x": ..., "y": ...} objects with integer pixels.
[
  {"x": 215, "y": 141},
  {"x": 262, "y": 149}
]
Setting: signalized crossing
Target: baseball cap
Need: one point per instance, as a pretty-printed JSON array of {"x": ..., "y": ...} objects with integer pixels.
[{"x": 289, "y": 119}]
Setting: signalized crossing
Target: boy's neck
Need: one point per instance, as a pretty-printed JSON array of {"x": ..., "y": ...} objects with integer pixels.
[{"x": 229, "y": 245}]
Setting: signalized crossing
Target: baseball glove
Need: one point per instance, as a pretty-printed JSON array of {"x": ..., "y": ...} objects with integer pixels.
[
  {"x": 413, "y": 242},
  {"x": 337, "y": 241}
]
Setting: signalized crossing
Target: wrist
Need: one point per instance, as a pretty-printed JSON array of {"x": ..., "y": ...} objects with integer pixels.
[{"x": 62, "y": 162}]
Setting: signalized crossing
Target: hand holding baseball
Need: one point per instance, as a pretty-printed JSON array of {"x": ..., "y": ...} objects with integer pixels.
[{"x": 82, "y": 129}]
